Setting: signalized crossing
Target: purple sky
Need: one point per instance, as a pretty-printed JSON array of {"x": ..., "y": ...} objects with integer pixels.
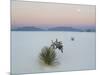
[{"x": 52, "y": 14}]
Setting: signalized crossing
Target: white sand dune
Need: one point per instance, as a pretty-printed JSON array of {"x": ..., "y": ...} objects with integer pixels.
[{"x": 79, "y": 54}]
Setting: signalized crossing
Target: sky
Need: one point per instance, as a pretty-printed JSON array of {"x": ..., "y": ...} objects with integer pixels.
[{"x": 40, "y": 14}]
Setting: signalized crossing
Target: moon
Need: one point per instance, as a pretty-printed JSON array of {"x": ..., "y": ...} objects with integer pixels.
[{"x": 78, "y": 10}]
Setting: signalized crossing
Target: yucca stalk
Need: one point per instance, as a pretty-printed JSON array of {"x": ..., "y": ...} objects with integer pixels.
[{"x": 48, "y": 56}]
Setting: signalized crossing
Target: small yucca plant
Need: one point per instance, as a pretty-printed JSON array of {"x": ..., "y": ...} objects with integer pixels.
[{"x": 48, "y": 56}]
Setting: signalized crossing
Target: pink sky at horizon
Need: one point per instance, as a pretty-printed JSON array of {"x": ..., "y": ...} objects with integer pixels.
[{"x": 49, "y": 14}]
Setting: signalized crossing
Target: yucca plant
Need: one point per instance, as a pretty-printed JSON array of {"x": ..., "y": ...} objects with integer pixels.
[{"x": 48, "y": 56}]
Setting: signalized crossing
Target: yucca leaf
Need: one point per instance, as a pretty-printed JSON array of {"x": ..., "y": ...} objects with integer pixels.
[{"x": 48, "y": 56}]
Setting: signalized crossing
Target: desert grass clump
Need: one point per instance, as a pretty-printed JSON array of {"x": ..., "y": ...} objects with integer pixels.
[{"x": 48, "y": 56}]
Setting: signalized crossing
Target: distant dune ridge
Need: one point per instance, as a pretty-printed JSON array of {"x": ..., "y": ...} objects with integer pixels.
[
  {"x": 73, "y": 29},
  {"x": 30, "y": 28},
  {"x": 63, "y": 29}
]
